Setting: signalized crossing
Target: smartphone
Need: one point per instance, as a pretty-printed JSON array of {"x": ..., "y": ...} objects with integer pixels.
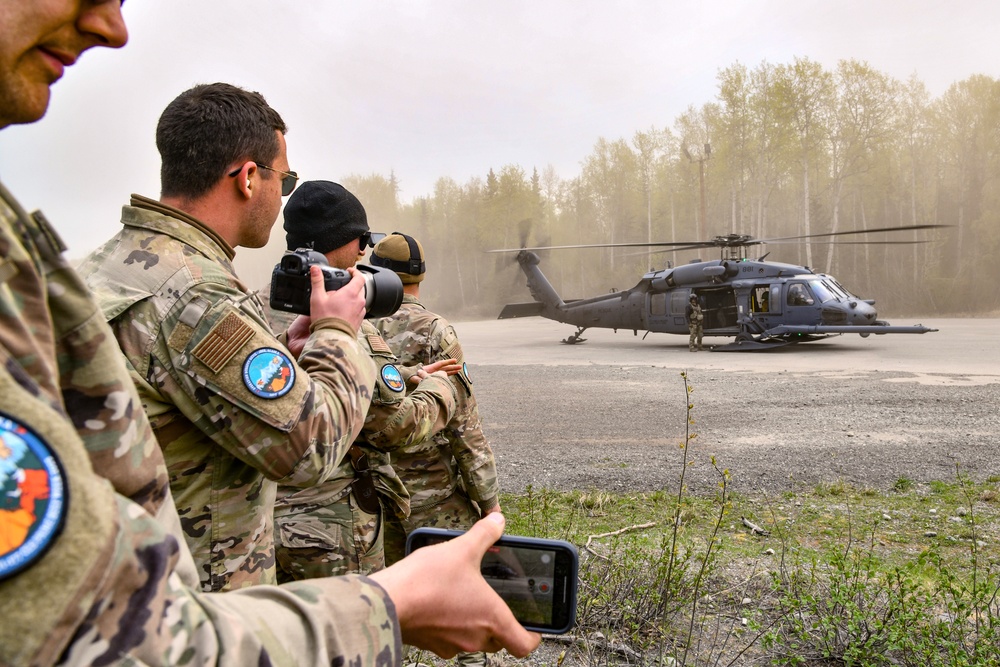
[{"x": 536, "y": 578}]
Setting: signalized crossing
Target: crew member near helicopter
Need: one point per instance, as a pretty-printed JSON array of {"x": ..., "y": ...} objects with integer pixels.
[{"x": 695, "y": 319}]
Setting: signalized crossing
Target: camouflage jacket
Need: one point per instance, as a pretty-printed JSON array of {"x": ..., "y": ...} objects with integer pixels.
[
  {"x": 395, "y": 419},
  {"x": 234, "y": 414},
  {"x": 99, "y": 578},
  {"x": 430, "y": 468}
]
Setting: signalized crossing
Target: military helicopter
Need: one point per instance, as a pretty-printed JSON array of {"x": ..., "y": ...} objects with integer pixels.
[{"x": 763, "y": 305}]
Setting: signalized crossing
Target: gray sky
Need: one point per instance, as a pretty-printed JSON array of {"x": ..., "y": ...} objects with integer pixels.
[{"x": 446, "y": 88}]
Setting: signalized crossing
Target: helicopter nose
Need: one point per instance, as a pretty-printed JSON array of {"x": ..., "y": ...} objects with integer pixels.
[{"x": 863, "y": 313}]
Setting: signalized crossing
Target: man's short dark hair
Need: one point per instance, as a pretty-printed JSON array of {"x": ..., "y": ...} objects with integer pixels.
[{"x": 208, "y": 128}]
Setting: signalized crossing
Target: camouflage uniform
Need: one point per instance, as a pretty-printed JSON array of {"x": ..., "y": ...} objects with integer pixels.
[
  {"x": 112, "y": 585},
  {"x": 696, "y": 322},
  {"x": 233, "y": 413},
  {"x": 445, "y": 473},
  {"x": 325, "y": 530}
]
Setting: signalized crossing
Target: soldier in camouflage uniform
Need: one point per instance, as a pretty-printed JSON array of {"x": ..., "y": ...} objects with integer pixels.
[
  {"x": 233, "y": 411},
  {"x": 105, "y": 575},
  {"x": 451, "y": 477},
  {"x": 337, "y": 527},
  {"x": 696, "y": 321}
]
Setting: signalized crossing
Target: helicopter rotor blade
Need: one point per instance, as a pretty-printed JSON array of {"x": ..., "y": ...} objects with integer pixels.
[
  {"x": 851, "y": 242},
  {"x": 731, "y": 241},
  {"x": 523, "y": 230},
  {"x": 879, "y": 230},
  {"x": 682, "y": 245}
]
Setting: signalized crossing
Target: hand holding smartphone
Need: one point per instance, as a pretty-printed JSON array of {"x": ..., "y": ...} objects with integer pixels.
[{"x": 536, "y": 578}]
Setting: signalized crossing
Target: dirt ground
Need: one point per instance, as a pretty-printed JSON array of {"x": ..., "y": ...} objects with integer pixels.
[{"x": 610, "y": 413}]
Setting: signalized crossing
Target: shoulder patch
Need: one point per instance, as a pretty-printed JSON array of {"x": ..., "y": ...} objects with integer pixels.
[
  {"x": 223, "y": 341},
  {"x": 378, "y": 344},
  {"x": 453, "y": 350},
  {"x": 33, "y": 497},
  {"x": 268, "y": 373},
  {"x": 393, "y": 378}
]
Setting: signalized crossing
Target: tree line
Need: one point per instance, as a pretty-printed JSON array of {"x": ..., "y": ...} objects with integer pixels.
[{"x": 783, "y": 150}]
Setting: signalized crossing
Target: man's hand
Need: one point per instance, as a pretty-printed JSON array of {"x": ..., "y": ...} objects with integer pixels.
[
  {"x": 449, "y": 366},
  {"x": 297, "y": 335},
  {"x": 443, "y": 603},
  {"x": 347, "y": 303}
]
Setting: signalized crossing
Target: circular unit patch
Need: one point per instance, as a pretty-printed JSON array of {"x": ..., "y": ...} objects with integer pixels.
[
  {"x": 33, "y": 497},
  {"x": 465, "y": 371},
  {"x": 392, "y": 378},
  {"x": 268, "y": 373}
]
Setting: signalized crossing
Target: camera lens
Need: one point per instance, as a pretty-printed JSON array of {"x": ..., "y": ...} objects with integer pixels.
[{"x": 383, "y": 291}]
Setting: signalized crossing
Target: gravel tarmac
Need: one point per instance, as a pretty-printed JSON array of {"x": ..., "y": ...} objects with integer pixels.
[{"x": 610, "y": 414}]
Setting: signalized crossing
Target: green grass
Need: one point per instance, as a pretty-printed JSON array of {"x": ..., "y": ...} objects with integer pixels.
[
  {"x": 803, "y": 520},
  {"x": 848, "y": 575}
]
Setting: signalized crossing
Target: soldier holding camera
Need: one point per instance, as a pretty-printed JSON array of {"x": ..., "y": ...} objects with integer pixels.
[
  {"x": 338, "y": 527},
  {"x": 233, "y": 411}
]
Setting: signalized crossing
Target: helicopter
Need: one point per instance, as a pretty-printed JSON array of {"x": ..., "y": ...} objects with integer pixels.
[{"x": 761, "y": 304}]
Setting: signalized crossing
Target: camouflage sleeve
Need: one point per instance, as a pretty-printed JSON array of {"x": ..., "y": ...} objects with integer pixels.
[
  {"x": 473, "y": 453},
  {"x": 421, "y": 414},
  {"x": 52, "y": 325},
  {"x": 469, "y": 446},
  {"x": 99, "y": 582},
  {"x": 142, "y": 613},
  {"x": 226, "y": 372}
]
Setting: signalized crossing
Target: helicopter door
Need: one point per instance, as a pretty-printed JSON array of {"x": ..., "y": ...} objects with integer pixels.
[
  {"x": 719, "y": 306},
  {"x": 774, "y": 302},
  {"x": 800, "y": 304}
]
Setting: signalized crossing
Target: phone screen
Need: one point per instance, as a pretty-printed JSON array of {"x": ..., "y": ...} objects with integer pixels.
[{"x": 536, "y": 578}]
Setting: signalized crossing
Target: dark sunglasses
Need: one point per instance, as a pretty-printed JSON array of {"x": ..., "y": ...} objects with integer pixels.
[
  {"x": 369, "y": 239},
  {"x": 288, "y": 178}
]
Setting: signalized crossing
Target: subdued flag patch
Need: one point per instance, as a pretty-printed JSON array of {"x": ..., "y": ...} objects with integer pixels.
[
  {"x": 223, "y": 341},
  {"x": 378, "y": 344}
]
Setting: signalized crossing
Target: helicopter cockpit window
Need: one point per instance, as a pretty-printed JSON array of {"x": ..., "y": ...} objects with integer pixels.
[
  {"x": 798, "y": 295},
  {"x": 847, "y": 294},
  {"x": 822, "y": 291}
]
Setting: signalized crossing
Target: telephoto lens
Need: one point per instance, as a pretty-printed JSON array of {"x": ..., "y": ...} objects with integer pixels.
[{"x": 383, "y": 291}]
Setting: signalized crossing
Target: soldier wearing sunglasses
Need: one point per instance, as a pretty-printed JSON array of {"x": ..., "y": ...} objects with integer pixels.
[{"x": 234, "y": 410}]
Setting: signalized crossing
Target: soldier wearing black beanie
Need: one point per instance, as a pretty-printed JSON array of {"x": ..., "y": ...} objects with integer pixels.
[{"x": 324, "y": 216}]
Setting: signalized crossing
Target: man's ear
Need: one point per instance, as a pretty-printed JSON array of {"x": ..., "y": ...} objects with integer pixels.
[{"x": 244, "y": 180}]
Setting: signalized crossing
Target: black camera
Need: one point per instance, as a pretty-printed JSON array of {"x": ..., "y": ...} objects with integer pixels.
[{"x": 291, "y": 286}]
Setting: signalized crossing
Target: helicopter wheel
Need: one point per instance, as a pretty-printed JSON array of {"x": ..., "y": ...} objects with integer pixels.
[{"x": 575, "y": 338}]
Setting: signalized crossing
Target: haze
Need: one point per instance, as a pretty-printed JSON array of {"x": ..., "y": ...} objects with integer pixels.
[{"x": 426, "y": 90}]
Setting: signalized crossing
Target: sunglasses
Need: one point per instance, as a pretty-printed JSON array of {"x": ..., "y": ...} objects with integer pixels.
[
  {"x": 369, "y": 239},
  {"x": 288, "y": 178}
]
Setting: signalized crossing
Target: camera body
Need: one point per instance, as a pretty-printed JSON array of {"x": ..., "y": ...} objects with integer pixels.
[{"x": 291, "y": 285}]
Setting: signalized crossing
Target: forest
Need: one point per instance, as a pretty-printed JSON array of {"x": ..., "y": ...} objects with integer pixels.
[{"x": 783, "y": 150}]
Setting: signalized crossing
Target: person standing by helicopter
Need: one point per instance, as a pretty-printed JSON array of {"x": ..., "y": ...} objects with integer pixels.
[{"x": 695, "y": 319}]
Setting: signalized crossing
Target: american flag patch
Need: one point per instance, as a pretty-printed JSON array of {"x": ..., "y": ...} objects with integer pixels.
[
  {"x": 223, "y": 341},
  {"x": 378, "y": 344}
]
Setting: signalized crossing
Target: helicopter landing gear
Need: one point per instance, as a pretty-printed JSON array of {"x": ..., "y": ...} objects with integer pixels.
[{"x": 575, "y": 338}]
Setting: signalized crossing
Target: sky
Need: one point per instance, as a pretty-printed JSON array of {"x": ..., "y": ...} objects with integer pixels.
[{"x": 446, "y": 87}]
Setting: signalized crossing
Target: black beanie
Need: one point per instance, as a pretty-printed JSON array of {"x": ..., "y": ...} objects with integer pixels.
[{"x": 323, "y": 215}]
